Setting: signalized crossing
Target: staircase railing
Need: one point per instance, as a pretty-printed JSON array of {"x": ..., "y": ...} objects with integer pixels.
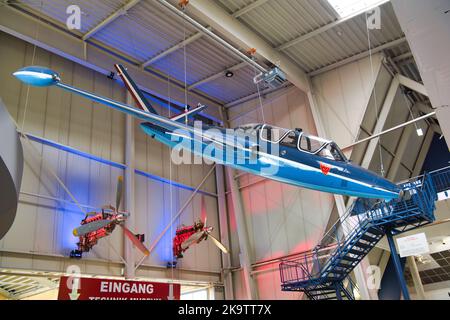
[
  {"x": 441, "y": 179},
  {"x": 417, "y": 205}
]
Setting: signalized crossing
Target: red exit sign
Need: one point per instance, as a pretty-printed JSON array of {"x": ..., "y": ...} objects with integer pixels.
[{"x": 76, "y": 288}]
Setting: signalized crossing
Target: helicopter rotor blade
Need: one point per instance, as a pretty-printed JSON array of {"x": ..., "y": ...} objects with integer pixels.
[
  {"x": 192, "y": 239},
  {"x": 219, "y": 244},
  {"x": 90, "y": 227},
  {"x": 119, "y": 192},
  {"x": 108, "y": 207},
  {"x": 138, "y": 244}
]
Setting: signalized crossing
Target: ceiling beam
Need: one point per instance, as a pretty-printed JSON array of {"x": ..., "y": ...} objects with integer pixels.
[
  {"x": 220, "y": 20},
  {"x": 168, "y": 51},
  {"x": 327, "y": 27},
  {"x": 248, "y": 8},
  {"x": 357, "y": 56},
  {"x": 413, "y": 85},
  {"x": 232, "y": 49},
  {"x": 217, "y": 75},
  {"x": 123, "y": 10},
  {"x": 402, "y": 57}
]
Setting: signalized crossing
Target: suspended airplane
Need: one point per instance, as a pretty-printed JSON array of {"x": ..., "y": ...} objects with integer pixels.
[
  {"x": 302, "y": 159},
  {"x": 97, "y": 225},
  {"x": 186, "y": 236}
]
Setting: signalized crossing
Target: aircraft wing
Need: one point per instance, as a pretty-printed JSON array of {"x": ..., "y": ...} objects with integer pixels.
[
  {"x": 182, "y": 116},
  {"x": 46, "y": 77}
]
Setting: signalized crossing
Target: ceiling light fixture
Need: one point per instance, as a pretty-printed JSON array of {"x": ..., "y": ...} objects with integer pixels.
[
  {"x": 229, "y": 74},
  {"x": 346, "y": 8}
]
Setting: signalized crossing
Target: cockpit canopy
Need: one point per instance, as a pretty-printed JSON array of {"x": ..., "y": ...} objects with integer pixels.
[{"x": 296, "y": 139}]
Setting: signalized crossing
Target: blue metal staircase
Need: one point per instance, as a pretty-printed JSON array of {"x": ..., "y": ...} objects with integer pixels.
[{"x": 324, "y": 273}]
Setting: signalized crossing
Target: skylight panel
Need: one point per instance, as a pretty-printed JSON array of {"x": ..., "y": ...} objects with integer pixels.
[{"x": 347, "y": 8}]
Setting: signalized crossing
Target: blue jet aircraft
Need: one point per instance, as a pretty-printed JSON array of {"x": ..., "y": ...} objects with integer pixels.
[{"x": 301, "y": 159}]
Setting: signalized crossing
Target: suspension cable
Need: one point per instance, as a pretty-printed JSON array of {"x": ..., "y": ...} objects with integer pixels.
[
  {"x": 261, "y": 107},
  {"x": 382, "y": 171}
]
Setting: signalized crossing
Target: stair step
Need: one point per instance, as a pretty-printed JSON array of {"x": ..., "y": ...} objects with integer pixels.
[
  {"x": 358, "y": 252},
  {"x": 375, "y": 231},
  {"x": 338, "y": 271},
  {"x": 368, "y": 238},
  {"x": 344, "y": 266},
  {"x": 363, "y": 246},
  {"x": 321, "y": 293},
  {"x": 347, "y": 258}
]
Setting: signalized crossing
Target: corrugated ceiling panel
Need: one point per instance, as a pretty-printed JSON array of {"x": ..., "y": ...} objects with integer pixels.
[
  {"x": 284, "y": 20},
  {"x": 234, "y": 5},
  {"x": 203, "y": 59},
  {"x": 345, "y": 40},
  {"x": 145, "y": 31},
  {"x": 148, "y": 29},
  {"x": 92, "y": 12},
  {"x": 230, "y": 89}
]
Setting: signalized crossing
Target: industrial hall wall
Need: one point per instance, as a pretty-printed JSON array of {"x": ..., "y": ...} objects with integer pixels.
[
  {"x": 281, "y": 219},
  {"x": 84, "y": 144}
]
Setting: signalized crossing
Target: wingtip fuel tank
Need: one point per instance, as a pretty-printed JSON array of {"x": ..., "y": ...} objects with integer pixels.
[{"x": 37, "y": 76}]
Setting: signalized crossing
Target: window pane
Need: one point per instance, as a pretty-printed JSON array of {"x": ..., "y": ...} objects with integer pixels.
[
  {"x": 331, "y": 152},
  {"x": 326, "y": 153},
  {"x": 290, "y": 140},
  {"x": 310, "y": 143},
  {"x": 273, "y": 134}
]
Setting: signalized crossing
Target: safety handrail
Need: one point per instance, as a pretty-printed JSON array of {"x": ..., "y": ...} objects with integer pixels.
[{"x": 346, "y": 229}]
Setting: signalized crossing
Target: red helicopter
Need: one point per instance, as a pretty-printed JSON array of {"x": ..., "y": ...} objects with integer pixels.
[
  {"x": 185, "y": 236},
  {"x": 97, "y": 225}
]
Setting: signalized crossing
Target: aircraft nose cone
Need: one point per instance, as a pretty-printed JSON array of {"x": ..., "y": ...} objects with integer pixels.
[{"x": 37, "y": 76}]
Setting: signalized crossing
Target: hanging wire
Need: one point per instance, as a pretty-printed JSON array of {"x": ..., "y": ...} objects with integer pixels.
[
  {"x": 409, "y": 108},
  {"x": 172, "y": 275},
  {"x": 261, "y": 106},
  {"x": 32, "y": 63},
  {"x": 382, "y": 172},
  {"x": 23, "y": 134},
  {"x": 185, "y": 66}
]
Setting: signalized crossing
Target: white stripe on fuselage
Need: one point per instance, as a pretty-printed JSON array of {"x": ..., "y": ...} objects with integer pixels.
[{"x": 298, "y": 165}]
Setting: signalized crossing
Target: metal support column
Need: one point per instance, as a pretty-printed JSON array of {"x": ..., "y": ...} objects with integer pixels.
[
  {"x": 129, "y": 192},
  {"x": 245, "y": 257},
  {"x": 423, "y": 152},
  {"x": 224, "y": 232},
  {"x": 381, "y": 121},
  {"x": 245, "y": 254},
  {"x": 398, "y": 266},
  {"x": 339, "y": 200},
  {"x": 416, "y": 278},
  {"x": 400, "y": 152},
  {"x": 338, "y": 291}
]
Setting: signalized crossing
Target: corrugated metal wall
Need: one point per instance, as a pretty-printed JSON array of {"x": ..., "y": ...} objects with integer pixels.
[
  {"x": 42, "y": 232},
  {"x": 348, "y": 104},
  {"x": 342, "y": 98},
  {"x": 281, "y": 219}
]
